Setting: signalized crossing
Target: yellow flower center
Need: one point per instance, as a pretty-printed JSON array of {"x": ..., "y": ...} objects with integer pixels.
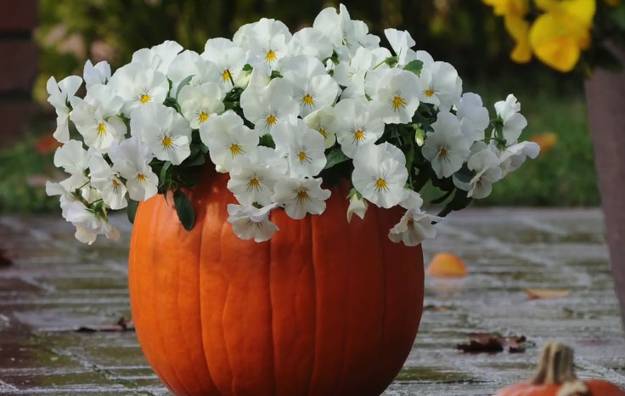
[
  {"x": 145, "y": 98},
  {"x": 236, "y": 149},
  {"x": 302, "y": 156},
  {"x": 359, "y": 135},
  {"x": 398, "y": 102},
  {"x": 323, "y": 132},
  {"x": 308, "y": 100},
  {"x": 116, "y": 184},
  {"x": 302, "y": 195},
  {"x": 271, "y": 120},
  {"x": 429, "y": 92},
  {"x": 442, "y": 151},
  {"x": 254, "y": 183},
  {"x": 101, "y": 129},
  {"x": 271, "y": 56},
  {"x": 141, "y": 177},
  {"x": 203, "y": 116},
  {"x": 167, "y": 142},
  {"x": 226, "y": 75},
  {"x": 381, "y": 184}
]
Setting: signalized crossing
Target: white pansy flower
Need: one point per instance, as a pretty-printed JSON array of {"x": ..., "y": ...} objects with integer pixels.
[
  {"x": 412, "y": 200},
  {"x": 59, "y": 96},
  {"x": 313, "y": 88},
  {"x": 300, "y": 196},
  {"x": 311, "y": 42},
  {"x": 485, "y": 164},
  {"x": 473, "y": 116},
  {"x": 97, "y": 117},
  {"x": 228, "y": 58},
  {"x": 446, "y": 148},
  {"x": 265, "y": 40},
  {"x": 167, "y": 133},
  {"x": 514, "y": 156},
  {"x": 356, "y": 125},
  {"x": 394, "y": 94},
  {"x": 323, "y": 121},
  {"x": 414, "y": 227},
  {"x": 401, "y": 42},
  {"x": 132, "y": 159},
  {"x": 252, "y": 181},
  {"x": 249, "y": 222},
  {"x": 88, "y": 224},
  {"x": 199, "y": 103},
  {"x": 357, "y": 206},
  {"x": 380, "y": 174},
  {"x": 107, "y": 181},
  {"x": 190, "y": 64},
  {"x": 351, "y": 73},
  {"x": 99, "y": 73},
  {"x": 228, "y": 140},
  {"x": 513, "y": 121},
  {"x": 72, "y": 158},
  {"x": 139, "y": 86},
  {"x": 440, "y": 85},
  {"x": 159, "y": 57},
  {"x": 341, "y": 30},
  {"x": 270, "y": 106},
  {"x": 302, "y": 146}
]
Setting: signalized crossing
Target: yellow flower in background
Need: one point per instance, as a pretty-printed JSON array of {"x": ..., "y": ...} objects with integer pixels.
[
  {"x": 514, "y": 12},
  {"x": 558, "y": 36},
  {"x": 508, "y": 8},
  {"x": 519, "y": 28}
]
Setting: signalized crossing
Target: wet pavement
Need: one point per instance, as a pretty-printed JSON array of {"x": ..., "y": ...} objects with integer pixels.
[{"x": 56, "y": 285}]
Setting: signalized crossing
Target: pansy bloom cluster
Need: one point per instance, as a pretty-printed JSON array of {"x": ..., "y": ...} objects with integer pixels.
[{"x": 286, "y": 116}]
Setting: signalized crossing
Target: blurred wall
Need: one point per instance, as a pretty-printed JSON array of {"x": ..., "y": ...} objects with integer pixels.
[{"x": 18, "y": 66}]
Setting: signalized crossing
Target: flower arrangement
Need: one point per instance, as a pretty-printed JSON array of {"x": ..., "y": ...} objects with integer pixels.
[
  {"x": 286, "y": 116},
  {"x": 558, "y": 31}
]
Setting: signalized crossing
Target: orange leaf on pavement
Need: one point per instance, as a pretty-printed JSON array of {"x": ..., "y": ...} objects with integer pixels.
[
  {"x": 447, "y": 265},
  {"x": 546, "y": 141},
  {"x": 546, "y": 294}
]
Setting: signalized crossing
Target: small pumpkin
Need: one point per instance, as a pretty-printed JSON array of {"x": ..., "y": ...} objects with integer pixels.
[
  {"x": 556, "y": 377},
  {"x": 325, "y": 307}
]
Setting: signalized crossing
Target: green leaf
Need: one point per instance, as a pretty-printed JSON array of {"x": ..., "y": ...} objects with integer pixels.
[
  {"x": 391, "y": 61},
  {"x": 267, "y": 141},
  {"x": 184, "y": 82},
  {"x": 162, "y": 178},
  {"x": 131, "y": 210},
  {"x": 184, "y": 209},
  {"x": 334, "y": 157},
  {"x": 247, "y": 68},
  {"x": 275, "y": 74},
  {"x": 414, "y": 66}
]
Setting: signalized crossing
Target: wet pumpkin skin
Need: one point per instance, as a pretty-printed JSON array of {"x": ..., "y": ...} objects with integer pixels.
[{"x": 324, "y": 308}]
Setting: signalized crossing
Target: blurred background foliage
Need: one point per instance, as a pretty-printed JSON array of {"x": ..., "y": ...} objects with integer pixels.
[{"x": 463, "y": 32}]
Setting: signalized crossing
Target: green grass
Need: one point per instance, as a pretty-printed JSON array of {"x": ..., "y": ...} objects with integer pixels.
[{"x": 563, "y": 176}]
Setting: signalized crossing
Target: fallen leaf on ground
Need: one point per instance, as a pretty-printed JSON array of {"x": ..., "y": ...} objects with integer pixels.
[
  {"x": 46, "y": 144},
  {"x": 5, "y": 261},
  {"x": 546, "y": 294},
  {"x": 492, "y": 343},
  {"x": 121, "y": 325},
  {"x": 447, "y": 265},
  {"x": 546, "y": 141}
]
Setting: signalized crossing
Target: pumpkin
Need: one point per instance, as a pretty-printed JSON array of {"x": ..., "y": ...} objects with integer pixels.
[
  {"x": 325, "y": 307},
  {"x": 556, "y": 377}
]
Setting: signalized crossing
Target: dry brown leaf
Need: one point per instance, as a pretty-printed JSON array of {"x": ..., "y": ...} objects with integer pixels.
[
  {"x": 546, "y": 294},
  {"x": 492, "y": 343}
]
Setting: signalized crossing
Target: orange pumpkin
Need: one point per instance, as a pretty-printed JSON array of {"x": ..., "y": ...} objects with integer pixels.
[
  {"x": 556, "y": 377},
  {"x": 324, "y": 308}
]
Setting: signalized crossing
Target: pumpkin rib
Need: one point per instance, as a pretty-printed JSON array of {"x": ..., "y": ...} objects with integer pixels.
[
  {"x": 345, "y": 334},
  {"x": 136, "y": 284},
  {"x": 223, "y": 317},
  {"x": 162, "y": 358},
  {"x": 313, "y": 233},
  {"x": 269, "y": 262},
  {"x": 384, "y": 264},
  {"x": 199, "y": 299},
  {"x": 164, "y": 293}
]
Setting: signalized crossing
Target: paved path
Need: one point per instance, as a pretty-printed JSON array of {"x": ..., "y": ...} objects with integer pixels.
[{"x": 57, "y": 285}]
